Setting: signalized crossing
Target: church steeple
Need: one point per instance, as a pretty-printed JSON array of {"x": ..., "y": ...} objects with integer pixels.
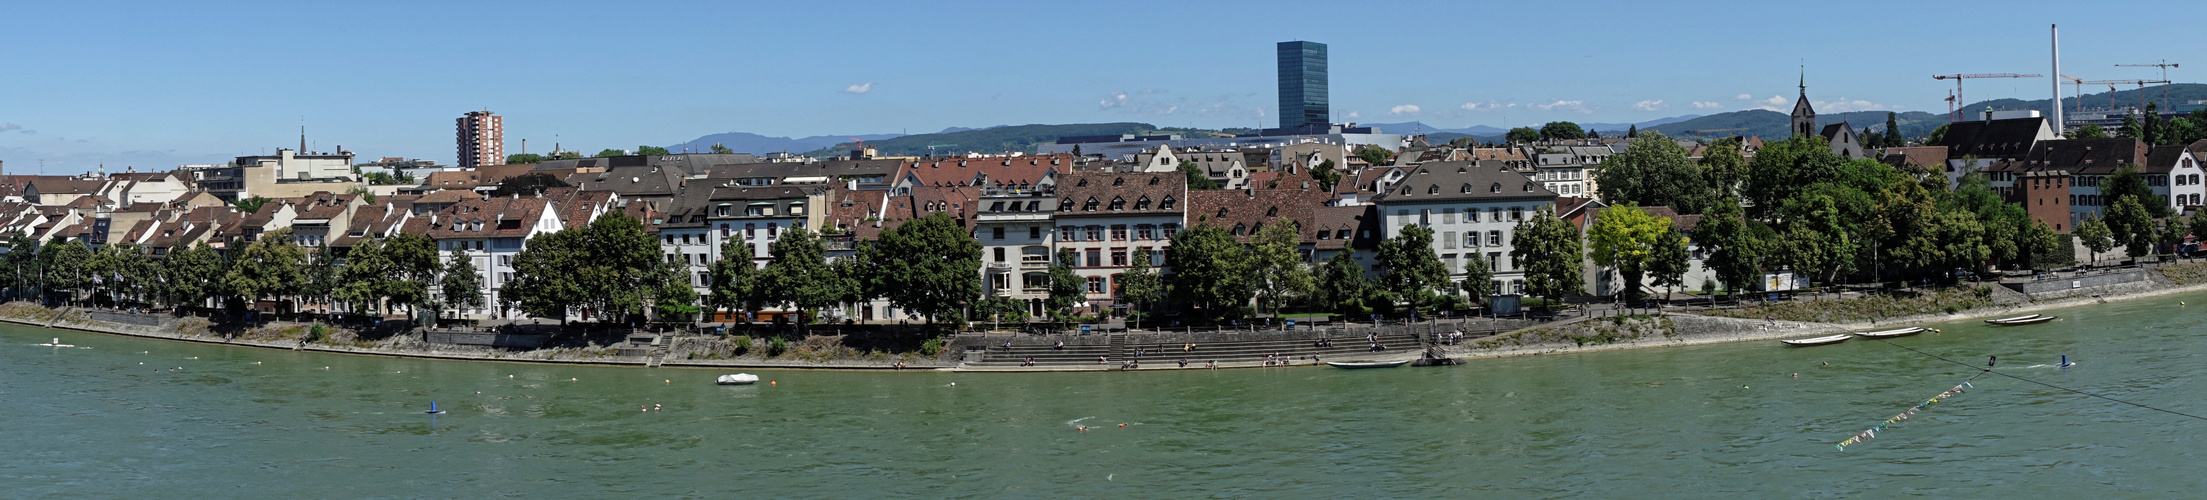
[{"x": 1804, "y": 115}]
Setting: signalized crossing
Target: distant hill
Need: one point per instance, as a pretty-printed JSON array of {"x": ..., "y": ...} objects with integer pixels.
[
  {"x": 2179, "y": 95},
  {"x": 1772, "y": 125},
  {"x": 1418, "y": 127},
  {"x": 1621, "y": 127},
  {"x": 991, "y": 140},
  {"x": 744, "y": 142}
]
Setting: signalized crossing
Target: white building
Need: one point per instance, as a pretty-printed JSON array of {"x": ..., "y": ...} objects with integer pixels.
[
  {"x": 1108, "y": 219},
  {"x": 1472, "y": 209}
]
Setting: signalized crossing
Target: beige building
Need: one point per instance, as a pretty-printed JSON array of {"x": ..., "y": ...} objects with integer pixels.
[{"x": 482, "y": 139}]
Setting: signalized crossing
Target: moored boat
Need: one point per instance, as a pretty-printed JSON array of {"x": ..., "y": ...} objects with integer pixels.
[
  {"x": 1360, "y": 364},
  {"x": 1897, "y": 332},
  {"x": 2022, "y": 320},
  {"x": 737, "y": 379},
  {"x": 1827, "y": 339}
]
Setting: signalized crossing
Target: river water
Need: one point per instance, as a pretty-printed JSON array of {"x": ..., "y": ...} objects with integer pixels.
[{"x": 133, "y": 417}]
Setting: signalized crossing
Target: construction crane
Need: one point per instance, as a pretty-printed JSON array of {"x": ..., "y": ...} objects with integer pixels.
[
  {"x": 2164, "y": 65},
  {"x": 2141, "y": 90},
  {"x": 2079, "y": 84},
  {"x": 1956, "y": 115}
]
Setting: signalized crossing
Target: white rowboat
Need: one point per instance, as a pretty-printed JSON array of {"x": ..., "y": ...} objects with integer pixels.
[
  {"x": 2022, "y": 320},
  {"x": 1828, "y": 339},
  {"x": 1367, "y": 364},
  {"x": 1898, "y": 332}
]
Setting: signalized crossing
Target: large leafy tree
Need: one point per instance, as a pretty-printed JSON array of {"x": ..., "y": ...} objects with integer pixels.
[
  {"x": 1654, "y": 171},
  {"x": 1549, "y": 250},
  {"x": 1327, "y": 174},
  {"x": 1413, "y": 272},
  {"x": 1197, "y": 178},
  {"x": 1783, "y": 170},
  {"x": 1522, "y": 135},
  {"x": 1820, "y": 236},
  {"x": 622, "y": 264},
  {"x": 1279, "y": 272},
  {"x": 736, "y": 280},
  {"x": 414, "y": 268},
  {"x": 798, "y": 274},
  {"x": 66, "y": 267},
  {"x": 2134, "y": 228},
  {"x": 1341, "y": 282},
  {"x": 189, "y": 276},
  {"x": 271, "y": 267},
  {"x": 1733, "y": 250},
  {"x": 1626, "y": 237},
  {"x": 1211, "y": 271},
  {"x": 929, "y": 266},
  {"x": 366, "y": 279},
  {"x": 1374, "y": 155},
  {"x": 1556, "y": 131},
  {"x": 2127, "y": 184},
  {"x": 460, "y": 286},
  {"x": 1067, "y": 288},
  {"x": 22, "y": 263},
  {"x": 548, "y": 276},
  {"x": 1725, "y": 167},
  {"x": 2095, "y": 236},
  {"x": 1478, "y": 283},
  {"x": 672, "y": 295},
  {"x": 1140, "y": 285},
  {"x": 1670, "y": 261}
]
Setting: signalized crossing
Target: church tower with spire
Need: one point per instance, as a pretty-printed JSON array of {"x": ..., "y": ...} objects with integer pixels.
[{"x": 1804, "y": 116}]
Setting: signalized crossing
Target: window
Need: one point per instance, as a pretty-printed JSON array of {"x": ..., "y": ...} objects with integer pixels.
[
  {"x": 723, "y": 230},
  {"x": 1517, "y": 214},
  {"x": 1449, "y": 259},
  {"x": 1165, "y": 205},
  {"x": 750, "y": 230},
  {"x": 999, "y": 254},
  {"x": 1118, "y": 232},
  {"x": 1494, "y": 238},
  {"x": 796, "y": 208},
  {"x": 772, "y": 229},
  {"x": 1448, "y": 216},
  {"x": 1095, "y": 257},
  {"x": 1145, "y": 232},
  {"x": 1118, "y": 203},
  {"x": 1095, "y": 233},
  {"x": 1433, "y": 189},
  {"x": 1118, "y": 257},
  {"x": 1095, "y": 284},
  {"x": 1425, "y": 217},
  {"x": 1471, "y": 239},
  {"x": 1494, "y": 263},
  {"x": 1034, "y": 232},
  {"x": 1448, "y": 240},
  {"x": 997, "y": 232},
  {"x": 1090, "y": 206},
  {"x": 1341, "y": 235},
  {"x": 1067, "y": 233},
  {"x": 1240, "y": 230},
  {"x": 1171, "y": 229},
  {"x": 1471, "y": 215},
  {"x": 721, "y": 211}
]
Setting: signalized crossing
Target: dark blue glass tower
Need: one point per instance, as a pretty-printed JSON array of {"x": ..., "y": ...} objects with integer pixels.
[{"x": 1303, "y": 85}]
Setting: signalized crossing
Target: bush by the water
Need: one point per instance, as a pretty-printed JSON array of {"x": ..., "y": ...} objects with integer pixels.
[
  {"x": 1586, "y": 333},
  {"x": 1873, "y": 307},
  {"x": 2189, "y": 273}
]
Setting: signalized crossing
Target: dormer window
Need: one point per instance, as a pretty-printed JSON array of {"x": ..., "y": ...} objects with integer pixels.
[
  {"x": 1141, "y": 203},
  {"x": 1406, "y": 191},
  {"x": 1240, "y": 230},
  {"x": 1082, "y": 183},
  {"x": 1167, "y": 204},
  {"x": 1467, "y": 187},
  {"x": 1272, "y": 212},
  {"x": 1433, "y": 189},
  {"x": 1153, "y": 180},
  {"x": 1496, "y": 188},
  {"x": 1120, "y": 181},
  {"x": 1118, "y": 203},
  {"x": 1090, "y": 206},
  {"x": 1528, "y": 187}
]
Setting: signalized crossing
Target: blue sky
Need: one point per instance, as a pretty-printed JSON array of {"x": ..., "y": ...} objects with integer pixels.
[{"x": 156, "y": 84}]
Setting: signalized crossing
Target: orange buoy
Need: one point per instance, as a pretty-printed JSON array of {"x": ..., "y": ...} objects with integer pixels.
[
  {"x": 1122, "y": 425},
  {"x": 769, "y": 382}
]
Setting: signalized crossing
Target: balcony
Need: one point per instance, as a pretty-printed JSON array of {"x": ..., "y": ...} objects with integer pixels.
[{"x": 1000, "y": 267}]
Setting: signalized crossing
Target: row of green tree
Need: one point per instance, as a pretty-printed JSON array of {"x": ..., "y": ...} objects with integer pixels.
[{"x": 374, "y": 276}]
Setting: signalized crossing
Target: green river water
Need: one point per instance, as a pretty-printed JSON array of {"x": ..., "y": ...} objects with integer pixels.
[{"x": 118, "y": 419}]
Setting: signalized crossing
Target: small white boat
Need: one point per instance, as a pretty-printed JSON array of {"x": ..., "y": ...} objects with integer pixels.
[
  {"x": 1827, "y": 339},
  {"x": 1361, "y": 364},
  {"x": 2022, "y": 320},
  {"x": 737, "y": 379},
  {"x": 1897, "y": 332}
]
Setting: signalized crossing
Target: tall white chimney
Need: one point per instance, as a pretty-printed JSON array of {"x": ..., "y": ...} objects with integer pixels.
[{"x": 2056, "y": 78}]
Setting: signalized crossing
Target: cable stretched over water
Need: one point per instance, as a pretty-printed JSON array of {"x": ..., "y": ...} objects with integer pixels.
[{"x": 1988, "y": 370}]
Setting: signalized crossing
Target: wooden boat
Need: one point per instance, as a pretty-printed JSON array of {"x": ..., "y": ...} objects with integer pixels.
[
  {"x": 737, "y": 379},
  {"x": 1361, "y": 364},
  {"x": 1827, "y": 339},
  {"x": 2022, "y": 320},
  {"x": 1897, "y": 332}
]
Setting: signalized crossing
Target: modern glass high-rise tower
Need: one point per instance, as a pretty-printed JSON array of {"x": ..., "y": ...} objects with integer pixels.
[{"x": 1303, "y": 85}]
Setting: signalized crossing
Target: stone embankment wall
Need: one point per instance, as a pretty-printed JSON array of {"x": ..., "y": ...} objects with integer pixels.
[
  {"x": 2112, "y": 283},
  {"x": 1472, "y": 327}
]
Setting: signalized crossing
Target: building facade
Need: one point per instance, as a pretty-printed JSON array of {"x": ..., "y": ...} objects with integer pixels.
[
  {"x": 1472, "y": 209},
  {"x": 482, "y": 139},
  {"x": 1303, "y": 85}
]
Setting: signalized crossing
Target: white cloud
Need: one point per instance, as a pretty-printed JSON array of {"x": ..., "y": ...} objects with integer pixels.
[
  {"x": 1117, "y": 99},
  {"x": 1654, "y": 105},
  {"x": 859, "y": 88},
  {"x": 1707, "y": 105},
  {"x": 1775, "y": 100},
  {"x": 1744, "y": 97},
  {"x": 1487, "y": 106},
  {"x": 1353, "y": 114},
  {"x": 1403, "y": 110},
  {"x": 1845, "y": 105},
  {"x": 10, "y": 127},
  {"x": 1564, "y": 106}
]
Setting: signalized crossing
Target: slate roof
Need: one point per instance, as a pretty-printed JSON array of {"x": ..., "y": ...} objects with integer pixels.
[
  {"x": 499, "y": 217},
  {"x": 1021, "y": 171},
  {"x": 2085, "y": 156},
  {"x": 2009, "y": 138},
  {"x": 1361, "y": 222},
  {"x": 465, "y": 179},
  {"x": 1252, "y": 209},
  {"x": 1931, "y": 157},
  {"x": 632, "y": 181},
  {"x": 1076, "y": 189},
  {"x": 1463, "y": 181},
  {"x": 2162, "y": 159},
  {"x": 831, "y": 169}
]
